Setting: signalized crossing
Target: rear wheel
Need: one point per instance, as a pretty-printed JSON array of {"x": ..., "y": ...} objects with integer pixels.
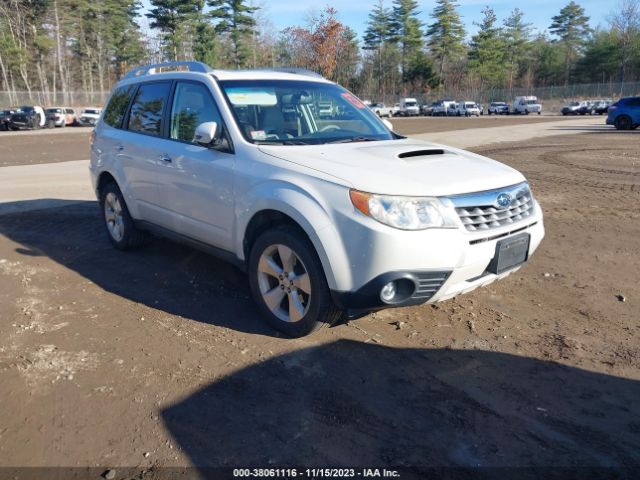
[
  {"x": 121, "y": 229},
  {"x": 288, "y": 282},
  {"x": 623, "y": 122}
]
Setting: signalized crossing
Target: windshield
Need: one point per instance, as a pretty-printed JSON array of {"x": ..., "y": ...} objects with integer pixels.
[
  {"x": 410, "y": 104},
  {"x": 285, "y": 112},
  {"x": 532, "y": 102},
  {"x": 54, "y": 110},
  {"x": 91, "y": 112},
  {"x": 26, "y": 109}
]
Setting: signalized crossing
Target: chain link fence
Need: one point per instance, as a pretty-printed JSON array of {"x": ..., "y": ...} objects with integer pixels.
[{"x": 77, "y": 99}]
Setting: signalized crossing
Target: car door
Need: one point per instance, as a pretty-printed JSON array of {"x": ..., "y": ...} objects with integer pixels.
[
  {"x": 195, "y": 181},
  {"x": 136, "y": 146}
]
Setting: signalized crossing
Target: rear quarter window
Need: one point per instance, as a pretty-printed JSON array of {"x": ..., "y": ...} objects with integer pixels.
[{"x": 117, "y": 107}]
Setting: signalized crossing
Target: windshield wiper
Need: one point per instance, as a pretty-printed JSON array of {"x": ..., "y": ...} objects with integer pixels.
[{"x": 355, "y": 139}]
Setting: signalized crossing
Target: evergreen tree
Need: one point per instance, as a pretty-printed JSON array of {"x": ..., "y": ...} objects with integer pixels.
[
  {"x": 446, "y": 34},
  {"x": 235, "y": 18},
  {"x": 407, "y": 30},
  {"x": 377, "y": 37},
  {"x": 487, "y": 51},
  {"x": 517, "y": 39},
  {"x": 571, "y": 26},
  {"x": 172, "y": 18}
]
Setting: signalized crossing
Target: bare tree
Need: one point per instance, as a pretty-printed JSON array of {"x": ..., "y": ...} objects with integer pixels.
[{"x": 625, "y": 21}]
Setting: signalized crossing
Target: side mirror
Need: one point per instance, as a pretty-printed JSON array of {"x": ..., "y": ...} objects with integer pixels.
[
  {"x": 388, "y": 124},
  {"x": 206, "y": 134}
]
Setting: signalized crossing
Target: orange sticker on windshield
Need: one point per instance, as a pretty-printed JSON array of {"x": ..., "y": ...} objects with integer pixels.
[{"x": 353, "y": 100}]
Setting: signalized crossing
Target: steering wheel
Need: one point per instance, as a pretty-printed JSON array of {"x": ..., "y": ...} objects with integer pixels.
[{"x": 330, "y": 128}]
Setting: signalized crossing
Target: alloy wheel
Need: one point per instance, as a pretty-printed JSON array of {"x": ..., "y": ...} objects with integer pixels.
[{"x": 284, "y": 283}]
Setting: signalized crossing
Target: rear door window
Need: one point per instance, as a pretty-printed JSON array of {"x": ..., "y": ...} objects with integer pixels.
[
  {"x": 147, "y": 109},
  {"x": 117, "y": 107}
]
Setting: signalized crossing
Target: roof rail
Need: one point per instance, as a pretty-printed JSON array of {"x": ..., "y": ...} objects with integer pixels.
[
  {"x": 168, "y": 66},
  {"x": 294, "y": 70}
]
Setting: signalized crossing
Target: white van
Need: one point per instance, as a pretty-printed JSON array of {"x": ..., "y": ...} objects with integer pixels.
[
  {"x": 467, "y": 109},
  {"x": 527, "y": 105},
  {"x": 409, "y": 107}
]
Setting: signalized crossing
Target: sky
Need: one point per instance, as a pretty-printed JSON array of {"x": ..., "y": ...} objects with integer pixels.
[{"x": 354, "y": 13}]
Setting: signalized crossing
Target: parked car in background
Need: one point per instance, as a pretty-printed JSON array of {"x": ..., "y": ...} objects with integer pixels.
[
  {"x": 427, "y": 109},
  {"x": 625, "y": 113},
  {"x": 61, "y": 117},
  {"x": 527, "y": 104},
  {"x": 443, "y": 108},
  {"x": 481, "y": 108},
  {"x": 452, "y": 109},
  {"x": 409, "y": 107},
  {"x": 600, "y": 107},
  {"x": 498, "y": 108},
  {"x": 396, "y": 109},
  {"x": 586, "y": 108},
  {"x": 32, "y": 117},
  {"x": 571, "y": 108},
  {"x": 89, "y": 116},
  {"x": 467, "y": 109},
  {"x": 381, "y": 110},
  {"x": 5, "y": 118}
]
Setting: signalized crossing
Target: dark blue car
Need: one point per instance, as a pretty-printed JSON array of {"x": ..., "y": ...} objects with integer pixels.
[{"x": 625, "y": 113}]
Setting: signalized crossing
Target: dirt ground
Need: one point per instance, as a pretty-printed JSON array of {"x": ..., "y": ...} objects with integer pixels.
[{"x": 158, "y": 358}]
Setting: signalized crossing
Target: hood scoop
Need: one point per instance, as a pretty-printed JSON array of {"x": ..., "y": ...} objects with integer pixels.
[{"x": 422, "y": 153}]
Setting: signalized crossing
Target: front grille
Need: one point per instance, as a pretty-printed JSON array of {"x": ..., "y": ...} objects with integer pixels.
[
  {"x": 485, "y": 214},
  {"x": 428, "y": 284}
]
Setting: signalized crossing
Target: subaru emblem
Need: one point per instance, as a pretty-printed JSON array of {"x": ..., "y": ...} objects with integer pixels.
[{"x": 503, "y": 200}]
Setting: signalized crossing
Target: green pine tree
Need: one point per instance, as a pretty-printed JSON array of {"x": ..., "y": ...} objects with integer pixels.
[
  {"x": 445, "y": 35},
  {"x": 487, "y": 51},
  {"x": 571, "y": 26},
  {"x": 235, "y": 18},
  {"x": 377, "y": 37},
  {"x": 172, "y": 18},
  {"x": 517, "y": 39},
  {"x": 407, "y": 30}
]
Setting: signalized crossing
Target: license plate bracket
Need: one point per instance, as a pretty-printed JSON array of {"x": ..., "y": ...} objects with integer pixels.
[{"x": 510, "y": 253}]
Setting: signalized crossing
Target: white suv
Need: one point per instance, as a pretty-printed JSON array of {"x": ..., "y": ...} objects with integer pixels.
[{"x": 326, "y": 215}]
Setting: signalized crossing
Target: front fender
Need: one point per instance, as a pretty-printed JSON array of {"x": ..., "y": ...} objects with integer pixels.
[{"x": 309, "y": 214}]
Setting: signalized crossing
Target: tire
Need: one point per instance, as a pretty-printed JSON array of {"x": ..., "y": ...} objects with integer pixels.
[
  {"x": 51, "y": 124},
  {"x": 270, "y": 282},
  {"x": 121, "y": 230},
  {"x": 623, "y": 122}
]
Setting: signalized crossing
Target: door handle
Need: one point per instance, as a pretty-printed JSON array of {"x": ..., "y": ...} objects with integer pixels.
[
  {"x": 165, "y": 158},
  {"x": 119, "y": 147}
]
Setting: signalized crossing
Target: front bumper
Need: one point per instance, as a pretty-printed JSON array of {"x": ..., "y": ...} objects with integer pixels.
[{"x": 449, "y": 261}]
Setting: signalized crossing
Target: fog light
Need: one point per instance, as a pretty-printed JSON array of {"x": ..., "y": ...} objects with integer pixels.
[{"x": 388, "y": 292}]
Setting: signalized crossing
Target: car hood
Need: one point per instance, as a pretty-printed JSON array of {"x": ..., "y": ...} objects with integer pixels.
[{"x": 401, "y": 167}]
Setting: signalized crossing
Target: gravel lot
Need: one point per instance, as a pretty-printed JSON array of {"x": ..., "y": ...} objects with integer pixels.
[{"x": 157, "y": 358}]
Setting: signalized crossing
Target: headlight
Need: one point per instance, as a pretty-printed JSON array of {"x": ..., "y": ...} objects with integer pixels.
[{"x": 405, "y": 213}]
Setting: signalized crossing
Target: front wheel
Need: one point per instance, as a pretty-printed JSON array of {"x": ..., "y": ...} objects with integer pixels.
[{"x": 288, "y": 283}]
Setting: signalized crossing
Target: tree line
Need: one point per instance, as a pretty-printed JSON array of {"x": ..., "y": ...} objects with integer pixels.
[{"x": 58, "y": 46}]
